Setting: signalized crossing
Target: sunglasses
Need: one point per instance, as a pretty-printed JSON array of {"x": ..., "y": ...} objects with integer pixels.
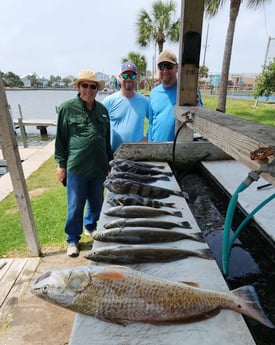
[
  {"x": 167, "y": 65},
  {"x": 92, "y": 86},
  {"x": 132, "y": 76}
]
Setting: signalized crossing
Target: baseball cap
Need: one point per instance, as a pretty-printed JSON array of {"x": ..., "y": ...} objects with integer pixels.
[
  {"x": 128, "y": 67},
  {"x": 167, "y": 56}
]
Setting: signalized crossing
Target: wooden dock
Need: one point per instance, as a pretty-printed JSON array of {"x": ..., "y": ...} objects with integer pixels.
[
  {"x": 15, "y": 276},
  {"x": 42, "y": 125}
]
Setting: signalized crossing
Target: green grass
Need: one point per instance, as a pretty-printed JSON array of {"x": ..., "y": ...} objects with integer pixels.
[
  {"x": 48, "y": 196},
  {"x": 48, "y": 200},
  {"x": 245, "y": 109}
]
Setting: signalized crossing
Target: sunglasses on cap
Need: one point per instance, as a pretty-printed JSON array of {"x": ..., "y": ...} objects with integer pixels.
[
  {"x": 167, "y": 65},
  {"x": 91, "y": 86},
  {"x": 126, "y": 75}
]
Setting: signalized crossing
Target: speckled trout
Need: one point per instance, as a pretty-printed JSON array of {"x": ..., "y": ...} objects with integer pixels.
[
  {"x": 138, "y": 177},
  {"x": 134, "y": 254},
  {"x": 132, "y": 199},
  {"x": 121, "y": 295},
  {"x": 120, "y": 161},
  {"x": 124, "y": 186},
  {"x": 140, "y": 211},
  {"x": 144, "y": 235},
  {"x": 154, "y": 223}
]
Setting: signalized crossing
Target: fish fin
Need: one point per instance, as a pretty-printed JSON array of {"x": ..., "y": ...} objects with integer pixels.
[
  {"x": 119, "y": 266},
  {"x": 198, "y": 236},
  {"x": 164, "y": 178},
  {"x": 109, "y": 275},
  {"x": 94, "y": 233},
  {"x": 194, "y": 284},
  {"x": 116, "y": 321},
  {"x": 206, "y": 254},
  {"x": 195, "y": 318},
  {"x": 248, "y": 304},
  {"x": 185, "y": 225}
]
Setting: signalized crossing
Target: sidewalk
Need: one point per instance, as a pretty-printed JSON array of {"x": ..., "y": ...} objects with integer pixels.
[{"x": 32, "y": 158}]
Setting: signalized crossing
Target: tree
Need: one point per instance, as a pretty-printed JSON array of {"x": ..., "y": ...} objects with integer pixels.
[
  {"x": 138, "y": 60},
  {"x": 159, "y": 26},
  {"x": 212, "y": 7},
  {"x": 265, "y": 84},
  {"x": 11, "y": 79},
  {"x": 203, "y": 71}
]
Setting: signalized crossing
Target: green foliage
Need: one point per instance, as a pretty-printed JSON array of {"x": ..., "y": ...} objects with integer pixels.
[
  {"x": 203, "y": 71},
  {"x": 265, "y": 84},
  {"x": 158, "y": 27},
  {"x": 139, "y": 60},
  {"x": 11, "y": 80}
]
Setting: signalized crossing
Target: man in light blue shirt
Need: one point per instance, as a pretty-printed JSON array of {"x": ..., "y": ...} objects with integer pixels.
[
  {"x": 127, "y": 109},
  {"x": 163, "y": 100}
]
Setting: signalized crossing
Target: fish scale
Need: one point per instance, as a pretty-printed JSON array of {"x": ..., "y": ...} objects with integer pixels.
[
  {"x": 124, "y": 186},
  {"x": 121, "y": 295},
  {"x": 132, "y": 199}
]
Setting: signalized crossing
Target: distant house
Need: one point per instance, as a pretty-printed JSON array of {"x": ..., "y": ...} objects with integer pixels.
[
  {"x": 26, "y": 81},
  {"x": 105, "y": 77}
]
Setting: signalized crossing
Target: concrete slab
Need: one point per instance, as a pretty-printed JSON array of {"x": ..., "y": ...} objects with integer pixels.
[
  {"x": 32, "y": 158},
  {"x": 230, "y": 174}
]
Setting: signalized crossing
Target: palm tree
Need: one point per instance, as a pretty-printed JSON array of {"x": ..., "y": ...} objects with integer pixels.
[
  {"x": 212, "y": 7},
  {"x": 158, "y": 27},
  {"x": 138, "y": 60}
]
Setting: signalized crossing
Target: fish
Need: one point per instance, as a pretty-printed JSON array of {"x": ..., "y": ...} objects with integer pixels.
[
  {"x": 137, "y": 168},
  {"x": 154, "y": 223},
  {"x": 144, "y": 235},
  {"x": 132, "y": 199},
  {"x": 120, "y": 161},
  {"x": 124, "y": 186},
  {"x": 134, "y": 254},
  {"x": 121, "y": 295},
  {"x": 138, "y": 177},
  {"x": 139, "y": 211}
]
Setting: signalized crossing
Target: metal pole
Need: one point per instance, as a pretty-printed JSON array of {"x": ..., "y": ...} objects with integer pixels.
[{"x": 205, "y": 48}]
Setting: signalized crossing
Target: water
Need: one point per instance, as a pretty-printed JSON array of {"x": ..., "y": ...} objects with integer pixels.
[
  {"x": 38, "y": 104},
  {"x": 252, "y": 260}
]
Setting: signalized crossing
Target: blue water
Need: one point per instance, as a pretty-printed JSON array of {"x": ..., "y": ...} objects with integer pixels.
[{"x": 250, "y": 97}]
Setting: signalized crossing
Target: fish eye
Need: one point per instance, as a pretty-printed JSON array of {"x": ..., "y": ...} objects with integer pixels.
[{"x": 45, "y": 289}]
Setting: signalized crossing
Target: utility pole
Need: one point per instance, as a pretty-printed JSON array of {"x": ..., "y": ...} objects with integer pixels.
[{"x": 205, "y": 47}]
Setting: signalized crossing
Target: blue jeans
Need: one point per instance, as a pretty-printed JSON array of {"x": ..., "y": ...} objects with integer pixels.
[{"x": 81, "y": 189}]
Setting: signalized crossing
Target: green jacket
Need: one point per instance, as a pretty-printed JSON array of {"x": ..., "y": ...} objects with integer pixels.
[{"x": 82, "y": 144}]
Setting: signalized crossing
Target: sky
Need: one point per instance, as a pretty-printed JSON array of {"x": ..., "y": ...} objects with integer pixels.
[{"x": 62, "y": 37}]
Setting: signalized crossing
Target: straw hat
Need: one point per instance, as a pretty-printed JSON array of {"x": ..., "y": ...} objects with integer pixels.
[{"x": 87, "y": 75}]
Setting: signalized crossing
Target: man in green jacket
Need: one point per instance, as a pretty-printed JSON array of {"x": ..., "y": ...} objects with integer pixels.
[{"x": 83, "y": 152}]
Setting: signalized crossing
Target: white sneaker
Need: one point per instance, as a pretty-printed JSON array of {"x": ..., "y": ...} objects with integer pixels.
[
  {"x": 73, "y": 250},
  {"x": 88, "y": 233}
]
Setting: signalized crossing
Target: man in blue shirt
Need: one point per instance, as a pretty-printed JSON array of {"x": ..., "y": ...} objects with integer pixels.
[
  {"x": 163, "y": 99},
  {"x": 127, "y": 109}
]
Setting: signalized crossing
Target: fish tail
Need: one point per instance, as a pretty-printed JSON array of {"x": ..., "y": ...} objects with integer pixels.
[
  {"x": 198, "y": 236},
  {"x": 206, "y": 254},
  {"x": 248, "y": 304},
  {"x": 185, "y": 225},
  {"x": 170, "y": 204},
  {"x": 177, "y": 213},
  {"x": 164, "y": 178},
  {"x": 183, "y": 194}
]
